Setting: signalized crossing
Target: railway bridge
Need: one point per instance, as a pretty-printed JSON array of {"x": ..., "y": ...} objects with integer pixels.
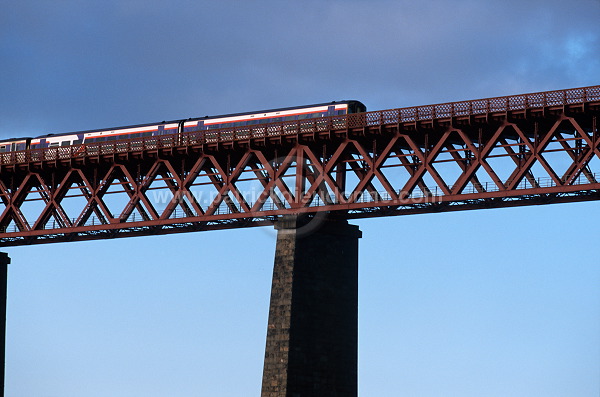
[{"x": 308, "y": 178}]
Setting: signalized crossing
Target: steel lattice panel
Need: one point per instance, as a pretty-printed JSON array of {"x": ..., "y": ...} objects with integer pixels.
[{"x": 521, "y": 150}]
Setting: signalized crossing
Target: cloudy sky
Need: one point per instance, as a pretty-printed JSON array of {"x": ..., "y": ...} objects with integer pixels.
[{"x": 495, "y": 303}]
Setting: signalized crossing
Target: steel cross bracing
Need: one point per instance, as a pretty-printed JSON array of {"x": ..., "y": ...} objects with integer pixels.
[{"x": 517, "y": 150}]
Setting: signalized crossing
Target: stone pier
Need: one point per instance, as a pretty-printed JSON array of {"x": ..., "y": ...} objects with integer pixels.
[{"x": 312, "y": 336}]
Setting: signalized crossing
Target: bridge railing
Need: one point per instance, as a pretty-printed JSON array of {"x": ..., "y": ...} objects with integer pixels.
[
  {"x": 476, "y": 107},
  {"x": 355, "y": 120}
]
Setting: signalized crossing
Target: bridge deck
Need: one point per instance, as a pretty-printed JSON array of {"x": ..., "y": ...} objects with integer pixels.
[{"x": 516, "y": 150}]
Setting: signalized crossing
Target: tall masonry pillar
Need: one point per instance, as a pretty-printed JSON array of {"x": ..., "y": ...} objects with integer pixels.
[
  {"x": 312, "y": 336},
  {"x": 4, "y": 262}
]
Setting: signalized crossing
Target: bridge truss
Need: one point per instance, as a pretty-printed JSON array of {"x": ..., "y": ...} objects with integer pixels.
[{"x": 510, "y": 151}]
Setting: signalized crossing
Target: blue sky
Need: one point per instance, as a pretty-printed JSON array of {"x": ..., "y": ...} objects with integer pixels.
[{"x": 494, "y": 302}]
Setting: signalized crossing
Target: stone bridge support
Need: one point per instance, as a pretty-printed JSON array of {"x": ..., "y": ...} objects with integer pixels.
[{"x": 312, "y": 336}]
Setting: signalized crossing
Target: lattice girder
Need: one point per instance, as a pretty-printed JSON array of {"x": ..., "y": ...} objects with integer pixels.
[{"x": 371, "y": 166}]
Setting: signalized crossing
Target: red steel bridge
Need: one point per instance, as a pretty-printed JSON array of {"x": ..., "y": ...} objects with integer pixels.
[{"x": 508, "y": 151}]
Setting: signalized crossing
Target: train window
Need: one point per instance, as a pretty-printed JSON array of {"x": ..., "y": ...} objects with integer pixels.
[
  {"x": 77, "y": 142},
  {"x": 53, "y": 144},
  {"x": 65, "y": 143},
  {"x": 3, "y": 148}
]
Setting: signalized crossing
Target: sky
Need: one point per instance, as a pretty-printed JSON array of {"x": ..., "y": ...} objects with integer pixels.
[{"x": 501, "y": 302}]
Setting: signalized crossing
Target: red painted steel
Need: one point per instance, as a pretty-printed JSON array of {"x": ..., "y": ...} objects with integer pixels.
[{"x": 517, "y": 150}]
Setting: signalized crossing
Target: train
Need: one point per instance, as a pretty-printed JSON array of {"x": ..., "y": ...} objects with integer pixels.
[{"x": 206, "y": 123}]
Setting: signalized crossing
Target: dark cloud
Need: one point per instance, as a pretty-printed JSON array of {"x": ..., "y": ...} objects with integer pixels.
[{"x": 76, "y": 65}]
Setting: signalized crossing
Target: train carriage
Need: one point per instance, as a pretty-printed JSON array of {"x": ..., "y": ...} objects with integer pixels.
[{"x": 274, "y": 121}]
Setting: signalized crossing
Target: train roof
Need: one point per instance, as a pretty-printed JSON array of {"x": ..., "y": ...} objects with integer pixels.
[
  {"x": 188, "y": 119},
  {"x": 277, "y": 109}
]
